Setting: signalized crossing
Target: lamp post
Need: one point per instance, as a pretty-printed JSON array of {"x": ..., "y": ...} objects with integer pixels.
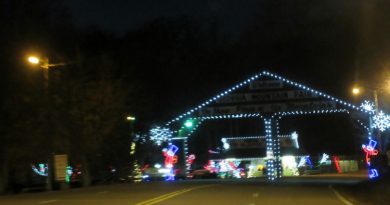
[
  {"x": 46, "y": 66},
  {"x": 357, "y": 91}
]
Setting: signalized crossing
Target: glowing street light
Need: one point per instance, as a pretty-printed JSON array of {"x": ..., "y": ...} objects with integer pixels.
[
  {"x": 130, "y": 118},
  {"x": 355, "y": 91},
  {"x": 33, "y": 59}
]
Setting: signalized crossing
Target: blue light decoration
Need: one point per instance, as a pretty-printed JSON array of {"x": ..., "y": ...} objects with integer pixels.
[
  {"x": 42, "y": 169},
  {"x": 372, "y": 173},
  {"x": 370, "y": 151},
  {"x": 381, "y": 121},
  {"x": 160, "y": 134},
  {"x": 368, "y": 106},
  {"x": 305, "y": 160}
]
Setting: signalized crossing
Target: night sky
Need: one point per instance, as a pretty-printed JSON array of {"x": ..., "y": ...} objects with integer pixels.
[{"x": 121, "y": 15}]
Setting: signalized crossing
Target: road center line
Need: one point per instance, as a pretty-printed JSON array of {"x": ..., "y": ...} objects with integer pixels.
[
  {"x": 169, "y": 195},
  {"x": 340, "y": 197},
  {"x": 48, "y": 201}
]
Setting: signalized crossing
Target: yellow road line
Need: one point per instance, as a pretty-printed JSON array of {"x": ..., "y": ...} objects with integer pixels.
[
  {"x": 169, "y": 195},
  {"x": 340, "y": 197},
  {"x": 159, "y": 197}
]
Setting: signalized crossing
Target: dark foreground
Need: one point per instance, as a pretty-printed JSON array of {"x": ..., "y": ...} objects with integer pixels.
[{"x": 299, "y": 191}]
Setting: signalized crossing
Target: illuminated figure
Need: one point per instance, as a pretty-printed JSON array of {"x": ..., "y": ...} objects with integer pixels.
[
  {"x": 371, "y": 151},
  {"x": 170, "y": 160}
]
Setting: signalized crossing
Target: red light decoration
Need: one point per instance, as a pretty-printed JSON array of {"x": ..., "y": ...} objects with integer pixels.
[{"x": 336, "y": 162}]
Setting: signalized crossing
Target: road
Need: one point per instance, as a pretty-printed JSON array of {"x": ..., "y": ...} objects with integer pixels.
[{"x": 200, "y": 192}]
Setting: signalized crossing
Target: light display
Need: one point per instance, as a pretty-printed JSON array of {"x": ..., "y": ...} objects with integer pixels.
[
  {"x": 273, "y": 164},
  {"x": 290, "y": 165},
  {"x": 189, "y": 161},
  {"x": 226, "y": 145},
  {"x": 170, "y": 160},
  {"x": 337, "y": 163},
  {"x": 132, "y": 148},
  {"x": 269, "y": 150},
  {"x": 381, "y": 121},
  {"x": 324, "y": 158},
  {"x": 305, "y": 160},
  {"x": 137, "y": 173},
  {"x": 255, "y": 77},
  {"x": 370, "y": 151},
  {"x": 69, "y": 173},
  {"x": 160, "y": 134},
  {"x": 368, "y": 106},
  {"x": 372, "y": 173},
  {"x": 294, "y": 137},
  {"x": 41, "y": 170}
]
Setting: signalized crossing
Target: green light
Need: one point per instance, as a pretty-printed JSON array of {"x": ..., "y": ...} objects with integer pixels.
[{"x": 189, "y": 123}]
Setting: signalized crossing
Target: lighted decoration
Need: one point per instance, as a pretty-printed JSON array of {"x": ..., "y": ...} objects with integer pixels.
[
  {"x": 255, "y": 77},
  {"x": 136, "y": 173},
  {"x": 273, "y": 145},
  {"x": 336, "y": 160},
  {"x": 190, "y": 160},
  {"x": 132, "y": 148},
  {"x": 226, "y": 145},
  {"x": 324, "y": 158},
  {"x": 381, "y": 121},
  {"x": 370, "y": 151},
  {"x": 368, "y": 106},
  {"x": 305, "y": 160},
  {"x": 160, "y": 134},
  {"x": 69, "y": 173},
  {"x": 290, "y": 165},
  {"x": 170, "y": 160},
  {"x": 41, "y": 170},
  {"x": 294, "y": 137},
  {"x": 372, "y": 173},
  {"x": 211, "y": 167}
]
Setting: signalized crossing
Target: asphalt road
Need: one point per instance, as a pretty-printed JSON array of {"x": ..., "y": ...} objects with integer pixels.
[{"x": 195, "y": 192}]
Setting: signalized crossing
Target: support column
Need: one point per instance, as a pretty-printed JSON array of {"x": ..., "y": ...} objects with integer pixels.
[
  {"x": 185, "y": 155},
  {"x": 274, "y": 168}
]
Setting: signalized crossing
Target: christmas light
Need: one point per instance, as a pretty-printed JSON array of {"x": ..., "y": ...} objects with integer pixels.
[
  {"x": 337, "y": 163},
  {"x": 170, "y": 160},
  {"x": 369, "y": 106},
  {"x": 160, "y": 134},
  {"x": 294, "y": 137},
  {"x": 381, "y": 121},
  {"x": 370, "y": 151},
  {"x": 268, "y": 74},
  {"x": 324, "y": 158},
  {"x": 372, "y": 173},
  {"x": 42, "y": 169}
]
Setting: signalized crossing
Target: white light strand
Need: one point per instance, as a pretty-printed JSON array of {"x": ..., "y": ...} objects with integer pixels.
[{"x": 265, "y": 73}]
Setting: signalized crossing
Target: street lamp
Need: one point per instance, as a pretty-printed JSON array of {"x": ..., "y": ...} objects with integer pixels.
[
  {"x": 45, "y": 65},
  {"x": 130, "y": 118},
  {"x": 356, "y": 91}
]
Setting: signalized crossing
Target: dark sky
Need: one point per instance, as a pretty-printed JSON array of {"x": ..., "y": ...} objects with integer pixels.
[{"x": 120, "y": 15}]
